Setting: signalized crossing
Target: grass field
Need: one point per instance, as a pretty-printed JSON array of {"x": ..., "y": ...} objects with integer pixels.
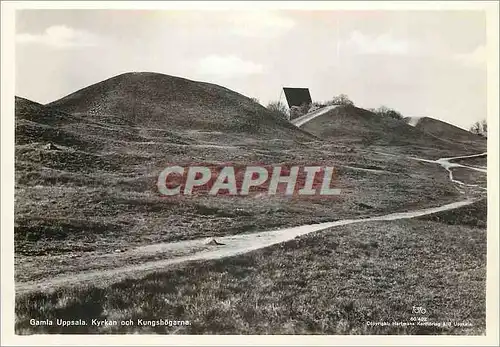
[
  {"x": 475, "y": 161},
  {"x": 470, "y": 176},
  {"x": 331, "y": 282},
  {"x": 86, "y": 200},
  {"x": 61, "y": 210}
]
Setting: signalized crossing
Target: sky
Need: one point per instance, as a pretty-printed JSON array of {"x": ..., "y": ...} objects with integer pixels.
[{"x": 420, "y": 63}]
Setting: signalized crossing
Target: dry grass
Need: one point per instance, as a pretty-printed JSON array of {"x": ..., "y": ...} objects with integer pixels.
[
  {"x": 96, "y": 192},
  {"x": 57, "y": 208},
  {"x": 473, "y": 215},
  {"x": 153, "y": 99},
  {"x": 447, "y": 131},
  {"x": 332, "y": 282},
  {"x": 475, "y": 161},
  {"x": 352, "y": 125},
  {"x": 65, "y": 198},
  {"x": 469, "y": 176}
]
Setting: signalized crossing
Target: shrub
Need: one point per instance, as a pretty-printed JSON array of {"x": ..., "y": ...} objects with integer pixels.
[
  {"x": 279, "y": 109},
  {"x": 385, "y": 111},
  {"x": 341, "y": 99},
  {"x": 298, "y": 111},
  {"x": 480, "y": 128}
]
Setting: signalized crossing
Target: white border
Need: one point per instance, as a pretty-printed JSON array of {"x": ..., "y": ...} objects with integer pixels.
[{"x": 7, "y": 182}]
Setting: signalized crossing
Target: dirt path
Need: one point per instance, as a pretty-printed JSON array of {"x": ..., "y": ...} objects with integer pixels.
[
  {"x": 448, "y": 166},
  {"x": 467, "y": 156},
  {"x": 199, "y": 250},
  {"x": 177, "y": 252},
  {"x": 310, "y": 116},
  {"x": 413, "y": 121}
]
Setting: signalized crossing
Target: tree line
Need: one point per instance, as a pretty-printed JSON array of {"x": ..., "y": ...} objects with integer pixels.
[
  {"x": 479, "y": 128},
  {"x": 281, "y": 110}
]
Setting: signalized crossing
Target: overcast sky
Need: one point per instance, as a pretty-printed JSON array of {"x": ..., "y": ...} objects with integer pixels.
[{"x": 419, "y": 63}]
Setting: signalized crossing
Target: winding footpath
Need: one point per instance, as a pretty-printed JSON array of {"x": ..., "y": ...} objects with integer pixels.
[
  {"x": 184, "y": 251},
  {"x": 311, "y": 115},
  {"x": 448, "y": 166}
]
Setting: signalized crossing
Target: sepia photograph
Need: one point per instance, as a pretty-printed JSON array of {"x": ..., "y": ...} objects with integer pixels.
[{"x": 250, "y": 170}]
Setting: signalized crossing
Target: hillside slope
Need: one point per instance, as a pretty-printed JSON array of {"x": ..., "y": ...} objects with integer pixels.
[
  {"x": 448, "y": 131},
  {"x": 356, "y": 126},
  {"x": 167, "y": 102},
  {"x": 87, "y": 168},
  {"x": 36, "y": 123},
  {"x": 33, "y": 111}
]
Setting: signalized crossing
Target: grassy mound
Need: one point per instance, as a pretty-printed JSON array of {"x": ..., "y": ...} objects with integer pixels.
[{"x": 162, "y": 101}]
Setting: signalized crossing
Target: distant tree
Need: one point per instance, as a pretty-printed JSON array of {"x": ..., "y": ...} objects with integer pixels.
[
  {"x": 480, "y": 128},
  {"x": 385, "y": 111},
  {"x": 341, "y": 99},
  {"x": 255, "y": 100},
  {"x": 475, "y": 128},
  {"x": 279, "y": 109},
  {"x": 484, "y": 126}
]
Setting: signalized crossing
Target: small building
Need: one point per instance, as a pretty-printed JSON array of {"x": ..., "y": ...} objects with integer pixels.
[{"x": 299, "y": 101}]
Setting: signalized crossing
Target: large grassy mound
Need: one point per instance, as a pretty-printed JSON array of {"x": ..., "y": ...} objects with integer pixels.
[
  {"x": 449, "y": 132},
  {"x": 167, "y": 102},
  {"x": 353, "y": 125}
]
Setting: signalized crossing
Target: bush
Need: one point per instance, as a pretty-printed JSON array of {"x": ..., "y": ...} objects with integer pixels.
[
  {"x": 298, "y": 111},
  {"x": 304, "y": 108},
  {"x": 385, "y": 111},
  {"x": 341, "y": 99},
  {"x": 279, "y": 109},
  {"x": 480, "y": 128}
]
